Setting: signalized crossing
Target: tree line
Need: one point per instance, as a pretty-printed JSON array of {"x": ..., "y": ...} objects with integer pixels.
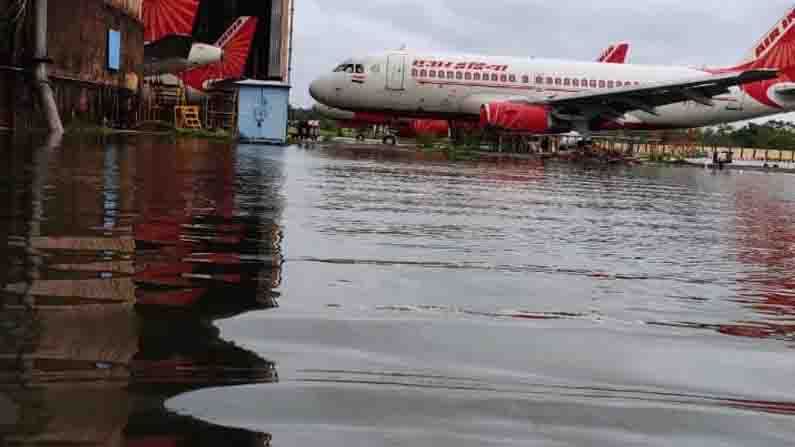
[{"x": 775, "y": 134}]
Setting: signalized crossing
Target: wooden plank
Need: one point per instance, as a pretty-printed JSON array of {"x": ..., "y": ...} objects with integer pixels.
[
  {"x": 121, "y": 290},
  {"x": 120, "y": 244}
]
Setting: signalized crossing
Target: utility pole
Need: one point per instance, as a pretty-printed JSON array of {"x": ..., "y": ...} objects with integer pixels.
[{"x": 40, "y": 60}]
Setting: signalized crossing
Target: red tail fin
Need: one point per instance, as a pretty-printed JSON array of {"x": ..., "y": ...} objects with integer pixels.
[
  {"x": 236, "y": 43},
  {"x": 776, "y": 50},
  {"x": 615, "y": 54},
  {"x": 164, "y": 17}
]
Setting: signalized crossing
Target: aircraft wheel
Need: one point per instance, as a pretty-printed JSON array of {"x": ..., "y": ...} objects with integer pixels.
[
  {"x": 390, "y": 140},
  {"x": 360, "y": 137}
]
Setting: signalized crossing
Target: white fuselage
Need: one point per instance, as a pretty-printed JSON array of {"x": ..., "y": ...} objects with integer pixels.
[{"x": 407, "y": 84}]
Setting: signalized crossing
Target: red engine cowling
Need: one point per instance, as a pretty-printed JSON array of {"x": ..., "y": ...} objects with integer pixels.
[
  {"x": 435, "y": 128},
  {"x": 516, "y": 117}
]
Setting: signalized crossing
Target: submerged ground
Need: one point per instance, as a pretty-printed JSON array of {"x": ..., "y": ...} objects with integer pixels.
[{"x": 204, "y": 293}]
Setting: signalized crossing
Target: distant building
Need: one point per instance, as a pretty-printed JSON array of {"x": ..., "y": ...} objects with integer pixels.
[{"x": 96, "y": 53}]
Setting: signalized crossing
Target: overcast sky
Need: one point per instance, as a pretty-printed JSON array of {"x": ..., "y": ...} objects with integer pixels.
[{"x": 686, "y": 32}]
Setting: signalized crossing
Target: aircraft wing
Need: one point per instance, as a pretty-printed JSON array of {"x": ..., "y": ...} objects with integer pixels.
[
  {"x": 646, "y": 98},
  {"x": 615, "y": 102}
]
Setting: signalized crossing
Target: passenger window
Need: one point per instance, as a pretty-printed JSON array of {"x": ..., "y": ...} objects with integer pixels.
[
  {"x": 539, "y": 79},
  {"x": 432, "y": 74},
  {"x": 558, "y": 81},
  {"x": 450, "y": 75},
  {"x": 602, "y": 84},
  {"x": 592, "y": 83},
  {"x": 550, "y": 81},
  {"x": 566, "y": 82},
  {"x": 414, "y": 72},
  {"x": 610, "y": 84},
  {"x": 423, "y": 73},
  {"x": 476, "y": 76},
  {"x": 619, "y": 84},
  {"x": 504, "y": 78},
  {"x": 525, "y": 79},
  {"x": 575, "y": 82},
  {"x": 468, "y": 76},
  {"x": 495, "y": 77},
  {"x": 512, "y": 78},
  {"x": 459, "y": 75}
]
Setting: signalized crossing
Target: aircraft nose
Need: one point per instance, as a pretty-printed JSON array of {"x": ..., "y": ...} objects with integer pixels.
[{"x": 320, "y": 90}]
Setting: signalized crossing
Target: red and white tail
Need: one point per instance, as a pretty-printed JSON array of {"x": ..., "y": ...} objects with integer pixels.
[
  {"x": 236, "y": 43},
  {"x": 615, "y": 54},
  {"x": 776, "y": 49}
]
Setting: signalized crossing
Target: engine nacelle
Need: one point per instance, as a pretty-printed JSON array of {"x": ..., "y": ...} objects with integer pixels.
[{"x": 517, "y": 117}]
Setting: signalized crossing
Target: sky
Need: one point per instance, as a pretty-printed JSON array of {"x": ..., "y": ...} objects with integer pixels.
[{"x": 668, "y": 32}]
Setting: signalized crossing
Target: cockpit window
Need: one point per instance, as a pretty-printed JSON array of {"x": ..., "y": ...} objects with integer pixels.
[{"x": 350, "y": 68}]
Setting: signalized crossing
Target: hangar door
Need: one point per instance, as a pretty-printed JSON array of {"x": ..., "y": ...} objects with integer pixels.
[{"x": 396, "y": 72}]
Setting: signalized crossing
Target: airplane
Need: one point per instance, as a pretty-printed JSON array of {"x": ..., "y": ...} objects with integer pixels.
[
  {"x": 542, "y": 96},
  {"x": 204, "y": 64},
  {"x": 615, "y": 54}
]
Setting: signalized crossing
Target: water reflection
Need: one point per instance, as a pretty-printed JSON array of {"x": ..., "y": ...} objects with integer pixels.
[
  {"x": 766, "y": 246},
  {"x": 115, "y": 259}
]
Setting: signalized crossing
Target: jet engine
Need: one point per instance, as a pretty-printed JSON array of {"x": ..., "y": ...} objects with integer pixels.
[{"x": 517, "y": 117}]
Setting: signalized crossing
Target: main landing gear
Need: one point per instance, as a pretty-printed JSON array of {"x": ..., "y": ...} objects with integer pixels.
[{"x": 389, "y": 140}]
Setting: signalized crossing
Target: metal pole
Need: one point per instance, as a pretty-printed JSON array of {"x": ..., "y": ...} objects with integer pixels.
[
  {"x": 290, "y": 57},
  {"x": 40, "y": 80}
]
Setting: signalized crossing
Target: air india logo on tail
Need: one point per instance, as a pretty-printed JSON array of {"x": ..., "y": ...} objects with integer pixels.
[
  {"x": 236, "y": 42},
  {"x": 775, "y": 34},
  {"x": 775, "y": 50}
]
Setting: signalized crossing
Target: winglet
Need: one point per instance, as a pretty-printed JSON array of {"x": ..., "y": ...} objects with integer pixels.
[{"x": 615, "y": 54}]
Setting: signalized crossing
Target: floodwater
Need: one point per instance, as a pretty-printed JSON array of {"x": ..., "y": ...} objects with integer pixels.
[{"x": 198, "y": 293}]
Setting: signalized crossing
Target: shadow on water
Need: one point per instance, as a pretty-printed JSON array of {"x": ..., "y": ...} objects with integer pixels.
[{"x": 116, "y": 258}]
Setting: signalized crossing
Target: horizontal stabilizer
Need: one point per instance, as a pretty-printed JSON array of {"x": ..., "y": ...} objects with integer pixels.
[{"x": 170, "y": 46}]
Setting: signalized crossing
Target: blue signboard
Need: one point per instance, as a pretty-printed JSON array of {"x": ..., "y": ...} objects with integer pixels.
[{"x": 114, "y": 50}]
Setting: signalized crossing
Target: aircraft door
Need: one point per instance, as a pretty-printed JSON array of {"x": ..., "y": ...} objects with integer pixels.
[{"x": 396, "y": 72}]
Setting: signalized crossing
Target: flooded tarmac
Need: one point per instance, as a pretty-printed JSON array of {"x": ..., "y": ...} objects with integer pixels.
[{"x": 198, "y": 293}]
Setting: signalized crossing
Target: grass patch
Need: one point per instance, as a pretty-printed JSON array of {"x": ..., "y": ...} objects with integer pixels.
[
  {"x": 204, "y": 133},
  {"x": 87, "y": 129}
]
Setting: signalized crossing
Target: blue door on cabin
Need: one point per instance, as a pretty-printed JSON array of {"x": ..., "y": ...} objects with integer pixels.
[{"x": 263, "y": 114}]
